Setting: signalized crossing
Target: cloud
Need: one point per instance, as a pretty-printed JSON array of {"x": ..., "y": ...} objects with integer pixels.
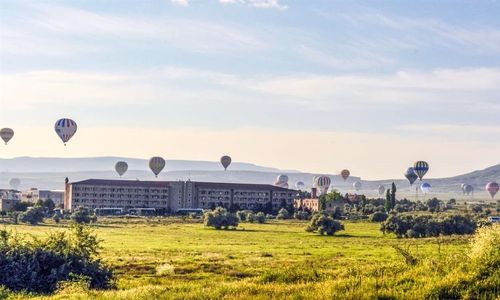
[
  {"x": 275, "y": 4},
  {"x": 60, "y": 30},
  {"x": 184, "y": 3},
  {"x": 428, "y": 32}
]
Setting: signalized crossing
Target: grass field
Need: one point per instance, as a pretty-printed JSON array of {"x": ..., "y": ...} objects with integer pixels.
[{"x": 178, "y": 259}]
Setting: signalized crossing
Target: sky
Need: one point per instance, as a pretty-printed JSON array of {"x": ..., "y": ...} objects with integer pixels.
[{"x": 315, "y": 86}]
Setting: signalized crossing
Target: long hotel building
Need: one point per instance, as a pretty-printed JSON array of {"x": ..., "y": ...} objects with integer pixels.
[{"x": 173, "y": 196}]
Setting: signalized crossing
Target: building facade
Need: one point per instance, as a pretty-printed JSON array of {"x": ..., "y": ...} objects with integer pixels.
[
  {"x": 33, "y": 195},
  {"x": 8, "y": 198},
  {"x": 171, "y": 196}
]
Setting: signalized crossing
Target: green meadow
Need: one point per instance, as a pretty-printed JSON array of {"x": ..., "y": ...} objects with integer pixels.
[{"x": 171, "y": 258}]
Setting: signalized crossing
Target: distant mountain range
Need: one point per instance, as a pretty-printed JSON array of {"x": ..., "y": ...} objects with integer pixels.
[{"x": 49, "y": 173}]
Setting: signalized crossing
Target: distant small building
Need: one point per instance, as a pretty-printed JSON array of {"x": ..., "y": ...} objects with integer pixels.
[
  {"x": 33, "y": 195},
  {"x": 313, "y": 204},
  {"x": 9, "y": 198}
]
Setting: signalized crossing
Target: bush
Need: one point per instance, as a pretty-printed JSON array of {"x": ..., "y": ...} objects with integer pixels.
[
  {"x": 81, "y": 215},
  {"x": 302, "y": 215},
  {"x": 283, "y": 214},
  {"x": 260, "y": 217},
  {"x": 378, "y": 216},
  {"x": 220, "y": 218},
  {"x": 33, "y": 215},
  {"x": 428, "y": 226},
  {"x": 324, "y": 224},
  {"x": 38, "y": 266}
]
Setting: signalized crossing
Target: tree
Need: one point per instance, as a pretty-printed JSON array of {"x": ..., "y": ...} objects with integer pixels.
[
  {"x": 388, "y": 202},
  {"x": 81, "y": 215},
  {"x": 433, "y": 204},
  {"x": 393, "y": 195},
  {"x": 378, "y": 216},
  {"x": 260, "y": 217},
  {"x": 220, "y": 218},
  {"x": 21, "y": 206},
  {"x": 324, "y": 224},
  {"x": 283, "y": 214},
  {"x": 33, "y": 215}
]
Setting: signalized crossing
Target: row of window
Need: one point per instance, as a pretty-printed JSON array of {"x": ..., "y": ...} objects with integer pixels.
[
  {"x": 120, "y": 190},
  {"x": 122, "y": 202}
]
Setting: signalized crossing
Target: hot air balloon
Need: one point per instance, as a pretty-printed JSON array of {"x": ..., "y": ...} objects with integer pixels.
[
  {"x": 156, "y": 164},
  {"x": 411, "y": 175},
  {"x": 282, "y": 178},
  {"x": 492, "y": 189},
  {"x": 65, "y": 129},
  {"x": 468, "y": 189},
  {"x": 6, "y": 134},
  {"x": 425, "y": 187},
  {"x": 225, "y": 161},
  {"x": 421, "y": 167},
  {"x": 15, "y": 183},
  {"x": 121, "y": 167},
  {"x": 357, "y": 185},
  {"x": 323, "y": 183},
  {"x": 381, "y": 190},
  {"x": 299, "y": 185},
  {"x": 345, "y": 174},
  {"x": 462, "y": 187}
]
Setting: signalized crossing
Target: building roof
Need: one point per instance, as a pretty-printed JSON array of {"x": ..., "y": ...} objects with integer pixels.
[
  {"x": 132, "y": 183},
  {"x": 139, "y": 183},
  {"x": 250, "y": 186}
]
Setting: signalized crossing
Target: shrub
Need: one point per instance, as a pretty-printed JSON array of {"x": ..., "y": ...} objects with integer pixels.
[
  {"x": 220, "y": 218},
  {"x": 260, "y": 217},
  {"x": 33, "y": 215},
  {"x": 38, "y": 266},
  {"x": 302, "y": 215},
  {"x": 283, "y": 214},
  {"x": 428, "y": 226},
  {"x": 81, "y": 215},
  {"x": 324, "y": 224},
  {"x": 378, "y": 216}
]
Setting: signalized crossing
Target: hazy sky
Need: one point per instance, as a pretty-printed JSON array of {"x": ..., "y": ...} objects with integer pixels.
[{"x": 311, "y": 85}]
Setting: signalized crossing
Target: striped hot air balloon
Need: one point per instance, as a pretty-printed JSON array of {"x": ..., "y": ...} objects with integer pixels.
[
  {"x": 65, "y": 129},
  {"x": 323, "y": 183},
  {"x": 156, "y": 164},
  {"x": 421, "y": 167},
  {"x": 6, "y": 134}
]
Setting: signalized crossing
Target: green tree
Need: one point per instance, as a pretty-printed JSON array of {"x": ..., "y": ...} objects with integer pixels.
[
  {"x": 220, "y": 218},
  {"x": 283, "y": 214},
  {"x": 81, "y": 215},
  {"x": 33, "y": 215},
  {"x": 324, "y": 224}
]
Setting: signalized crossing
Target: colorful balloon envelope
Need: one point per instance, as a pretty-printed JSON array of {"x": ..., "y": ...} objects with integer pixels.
[
  {"x": 65, "y": 129},
  {"x": 345, "y": 174},
  {"x": 492, "y": 189},
  {"x": 411, "y": 175},
  {"x": 156, "y": 164},
  {"x": 425, "y": 187},
  {"x": 225, "y": 161},
  {"x": 421, "y": 167},
  {"x": 315, "y": 177},
  {"x": 282, "y": 178},
  {"x": 121, "y": 167},
  {"x": 6, "y": 134},
  {"x": 323, "y": 183}
]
